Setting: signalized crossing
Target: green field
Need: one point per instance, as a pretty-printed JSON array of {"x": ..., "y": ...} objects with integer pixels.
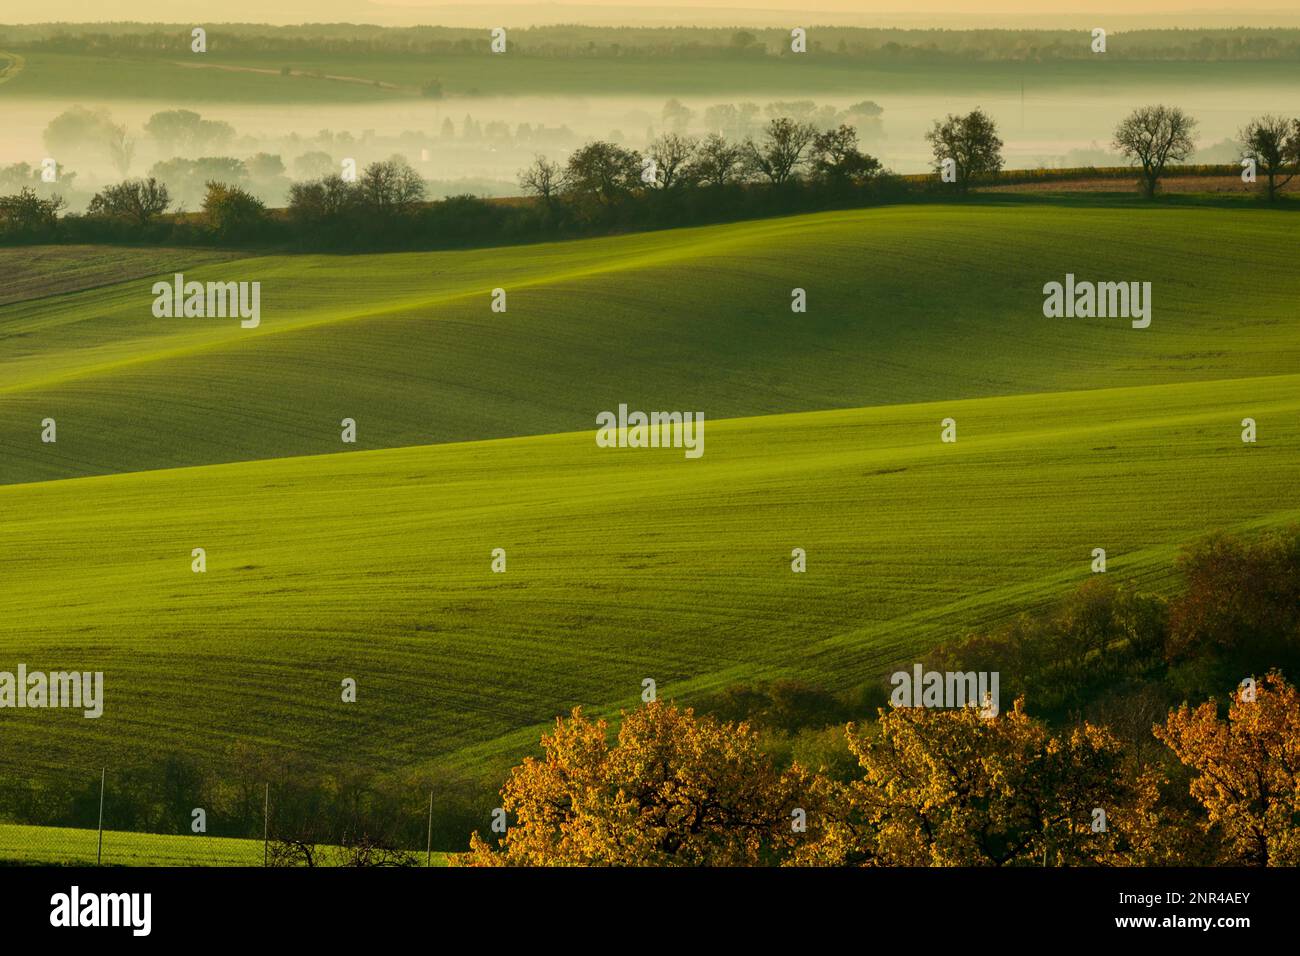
[
  {"x": 375, "y": 565},
  {"x": 476, "y": 428},
  {"x": 69, "y": 846},
  {"x": 221, "y": 78},
  {"x": 906, "y": 304},
  {"x": 477, "y": 433}
]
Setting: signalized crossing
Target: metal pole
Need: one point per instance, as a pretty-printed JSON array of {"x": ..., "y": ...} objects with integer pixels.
[
  {"x": 428, "y": 851},
  {"x": 99, "y": 854},
  {"x": 266, "y": 827}
]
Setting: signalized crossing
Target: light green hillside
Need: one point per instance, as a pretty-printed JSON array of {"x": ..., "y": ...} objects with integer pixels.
[
  {"x": 622, "y": 564},
  {"x": 905, "y": 304}
]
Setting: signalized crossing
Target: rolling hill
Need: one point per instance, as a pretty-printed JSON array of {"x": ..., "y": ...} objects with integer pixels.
[
  {"x": 822, "y": 432},
  {"x": 329, "y": 561},
  {"x": 905, "y": 304},
  {"x": 622, "y": 564}
]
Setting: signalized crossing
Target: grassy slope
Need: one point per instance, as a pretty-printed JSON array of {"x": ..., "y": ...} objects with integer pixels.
[
  {"x": 622, "y": 565},
  {"x": 80, "y": 847},
  {"x": 905, "y": 304}
]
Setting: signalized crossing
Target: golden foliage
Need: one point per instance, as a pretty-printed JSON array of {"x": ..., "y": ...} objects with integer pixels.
[
  {"x": 952, "y": 788},
  {"x": 1248, "y": 770},
  {"x": 937, "y": 788},
  {"x": 675, "y": 789}
]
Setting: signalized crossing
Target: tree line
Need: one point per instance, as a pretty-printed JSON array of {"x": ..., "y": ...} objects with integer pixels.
[
  {"x": 934, "y": 788},
  {"x": 792, "y": 166}
]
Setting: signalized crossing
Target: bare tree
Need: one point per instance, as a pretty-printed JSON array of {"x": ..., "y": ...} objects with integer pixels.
[
  {"x": 1153, "y": 135},
  {"x": 671, "y": 154},
  {"x": 543, "y": 178},
  {"x": 365, "y": 849},
  {"x": 1273, "y": 142},
  {"x": 390, "y": 186},
  {"x": 782, "y": 149},
  {"x": 294, "y": 850},
  {"x": 324, "y": 200}
]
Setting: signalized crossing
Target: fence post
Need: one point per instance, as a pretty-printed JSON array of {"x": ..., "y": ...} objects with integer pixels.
[
  {"x": 428, "y": 849},
  {"x": 266, "y": 827},
  {"x": 99, "y": 854}
]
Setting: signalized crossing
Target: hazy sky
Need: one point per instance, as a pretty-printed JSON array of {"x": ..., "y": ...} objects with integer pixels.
[
  {"x": 954, "y": 13},
  {"x": 912, "y": 7}
]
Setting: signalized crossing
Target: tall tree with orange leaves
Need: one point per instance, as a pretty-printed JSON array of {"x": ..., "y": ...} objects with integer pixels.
[
  {"x": 674, "y": 789},
  {"x": 1247, "y": 770}
]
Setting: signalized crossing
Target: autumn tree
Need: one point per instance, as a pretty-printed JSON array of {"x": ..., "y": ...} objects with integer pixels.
[
  {"x": 971, "y": 142},
  {"x": 232, "y": 212},
  {"x": 1153, "y": 135},
  {"x": 674, "y": 789},
  {"x": 1241, "y": 597},
  {"x": 954, "y": 788},
  {"x": 1247, "y": 770}
]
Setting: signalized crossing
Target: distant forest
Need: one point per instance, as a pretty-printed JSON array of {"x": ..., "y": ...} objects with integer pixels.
[{"x": 138, "y": 39}]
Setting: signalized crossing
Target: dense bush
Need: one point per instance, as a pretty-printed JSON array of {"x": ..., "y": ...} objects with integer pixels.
[
  {"x": 1242, "y": 599},
  {"x": 27, "y": 217}
]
